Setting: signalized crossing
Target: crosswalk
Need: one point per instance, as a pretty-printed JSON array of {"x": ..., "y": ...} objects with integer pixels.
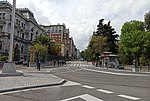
[{"x": 79, "y": 65}]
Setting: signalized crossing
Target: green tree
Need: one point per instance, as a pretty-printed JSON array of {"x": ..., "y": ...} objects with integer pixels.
[
  {"x": 107, "y": 31},
  {"x": 147, "y": 20},
  {"x": 132, "y": 40},
  {"x": 98, "y": 44},
  {"x": 40, "y": 49},
  {"x": 87, "y": 54},
  {"x": 43, "y": 45},
  {"x": 147, "y": 47},
  {"x": 43, "y": 39}
]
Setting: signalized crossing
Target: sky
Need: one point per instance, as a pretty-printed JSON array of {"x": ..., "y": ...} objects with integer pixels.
[{"x": 82, "y": 16}]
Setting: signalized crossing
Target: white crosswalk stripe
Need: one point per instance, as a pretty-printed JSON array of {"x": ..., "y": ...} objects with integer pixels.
[{"x": 79, "y": 65}]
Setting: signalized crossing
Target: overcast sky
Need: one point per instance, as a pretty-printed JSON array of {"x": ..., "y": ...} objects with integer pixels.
[{"x": 82, "y": 16}]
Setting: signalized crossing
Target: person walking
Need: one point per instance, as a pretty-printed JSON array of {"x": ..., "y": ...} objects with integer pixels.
[
  {"x": 54, "y": 62},
  {"x": 58, "y": 62},
  {"x": 38, "y": 65}
]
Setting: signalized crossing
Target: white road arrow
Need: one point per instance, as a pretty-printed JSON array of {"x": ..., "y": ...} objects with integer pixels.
[{"x": 86, "y": 97}]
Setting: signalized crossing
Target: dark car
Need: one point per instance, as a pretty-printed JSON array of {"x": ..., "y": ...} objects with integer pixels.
[{"x": 19, "y": 62}]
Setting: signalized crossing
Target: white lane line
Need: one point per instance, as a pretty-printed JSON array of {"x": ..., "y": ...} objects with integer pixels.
[
  {"x": 10, "y": 92},
  {"x": 85, "y": 97},
  {"x": 25, "y": 90},
  {"x": 104, "y": 91},
  {"x": 88, "y": 97},
  {"x": 70, "y": 83},
  {"x": 89, "y": 87},
  {"x": 115, "y": 73},
  {"x": 129, "y": 97}
]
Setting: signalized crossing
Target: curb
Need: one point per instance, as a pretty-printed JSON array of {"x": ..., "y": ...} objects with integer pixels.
[{"x": 35, "y": 86}]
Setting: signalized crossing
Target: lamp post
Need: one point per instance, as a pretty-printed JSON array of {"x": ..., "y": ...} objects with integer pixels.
[
  {"x": 12, "y": 31},
  {"x": 9, "y": 68}
]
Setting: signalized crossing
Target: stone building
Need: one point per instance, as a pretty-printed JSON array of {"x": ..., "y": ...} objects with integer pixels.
[{"x": 26, "y": 29}]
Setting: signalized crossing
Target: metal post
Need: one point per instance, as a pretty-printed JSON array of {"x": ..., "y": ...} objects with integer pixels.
[
  {"x": 12, "y": 31},
  {"x": 9, "y": 68}
]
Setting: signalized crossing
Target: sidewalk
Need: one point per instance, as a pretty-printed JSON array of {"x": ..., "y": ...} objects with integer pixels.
[
  {"x": 31, "y": 79},
  {"x": 127, "y": 68}
]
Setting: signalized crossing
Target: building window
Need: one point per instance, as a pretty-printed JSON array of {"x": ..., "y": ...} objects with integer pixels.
[
  {"x": 19, "y": 22},
  {"x": 4, "y": 15},
  {"x": 31, "y": 37},
  {"x": 22, "y": 35},
  {"x": 18, "y": 33},
  {"x": 1, "y": 28},
  {"x": 32, "y": 30},
  {"x": 10, "y": 17},
  {"x": 22, "y": 24}
]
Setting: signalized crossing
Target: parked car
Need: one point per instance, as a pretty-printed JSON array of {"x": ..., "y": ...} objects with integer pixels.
[
  {"x": 19, "y": 62},
  {"x": 25, "y": 62}
]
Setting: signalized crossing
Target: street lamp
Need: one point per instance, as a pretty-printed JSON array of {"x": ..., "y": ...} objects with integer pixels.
[{"x": 9, "y": 68}]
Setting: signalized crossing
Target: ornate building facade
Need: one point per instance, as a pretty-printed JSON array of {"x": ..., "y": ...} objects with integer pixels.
[{"x": 26, "y": 29}]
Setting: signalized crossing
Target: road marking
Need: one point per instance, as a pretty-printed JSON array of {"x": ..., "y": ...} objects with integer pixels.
[
  {"x": 25, "y": 90},
  {"x": 89, "y": 87},
  {"x": 104, "y": 91},
  {"x": 10, "y": 92},
  {"x": 85, "y": 97},
  {"x": 70, "y": 83},
  {"x": 115, "y": 73},
  {"x": 129, "y": 97}
]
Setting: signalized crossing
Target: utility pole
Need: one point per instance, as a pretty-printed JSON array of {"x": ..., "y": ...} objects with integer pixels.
[{"x": 12, "y": 31}]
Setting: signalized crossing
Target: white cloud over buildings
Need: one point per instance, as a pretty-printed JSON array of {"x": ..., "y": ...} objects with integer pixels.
[{"x": 82, "y": 16}]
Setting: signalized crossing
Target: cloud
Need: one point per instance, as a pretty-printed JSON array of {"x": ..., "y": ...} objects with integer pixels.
[{"x": 82, "y": 16}]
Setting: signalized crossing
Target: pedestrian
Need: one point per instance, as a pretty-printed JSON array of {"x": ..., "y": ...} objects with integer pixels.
[
  {"x": 54, "y": 62},
  {"x": 106, "y": 64},
  {"x": 58, "y": 62},
  {"x": 65, "y": 62},
  {"x": 38, "y": 65},
  {"x": 140, "y": 67}
]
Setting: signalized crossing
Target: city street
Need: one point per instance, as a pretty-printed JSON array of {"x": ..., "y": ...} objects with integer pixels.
[{"x": 87, "y": 83}]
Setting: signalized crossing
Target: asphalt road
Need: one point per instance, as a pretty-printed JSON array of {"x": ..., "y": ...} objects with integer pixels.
[{"x": 87, "y": 83}]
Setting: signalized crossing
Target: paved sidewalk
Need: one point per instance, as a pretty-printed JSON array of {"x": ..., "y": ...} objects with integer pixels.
[
  {"x": 127, "y": 68},
  {"x": 31, "y": 79}
]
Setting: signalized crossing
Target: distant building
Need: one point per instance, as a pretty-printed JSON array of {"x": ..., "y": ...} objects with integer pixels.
[
  {"x": 26, "y": 28},
  {"x": 61, "y": 35}
]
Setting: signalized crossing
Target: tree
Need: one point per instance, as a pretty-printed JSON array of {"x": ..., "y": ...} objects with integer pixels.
[
  {"x": 87, "y": 54},
  {"x": 40, "y": 50},
  {"x": 147, "y": 47},
  {"x": 43, "y": 39},
  {"x": 132, "y": 40},
  {"x": 107, "y": 31},
  {"x": 147, "y": 20},
  {"x": 97, "y": 44}
]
